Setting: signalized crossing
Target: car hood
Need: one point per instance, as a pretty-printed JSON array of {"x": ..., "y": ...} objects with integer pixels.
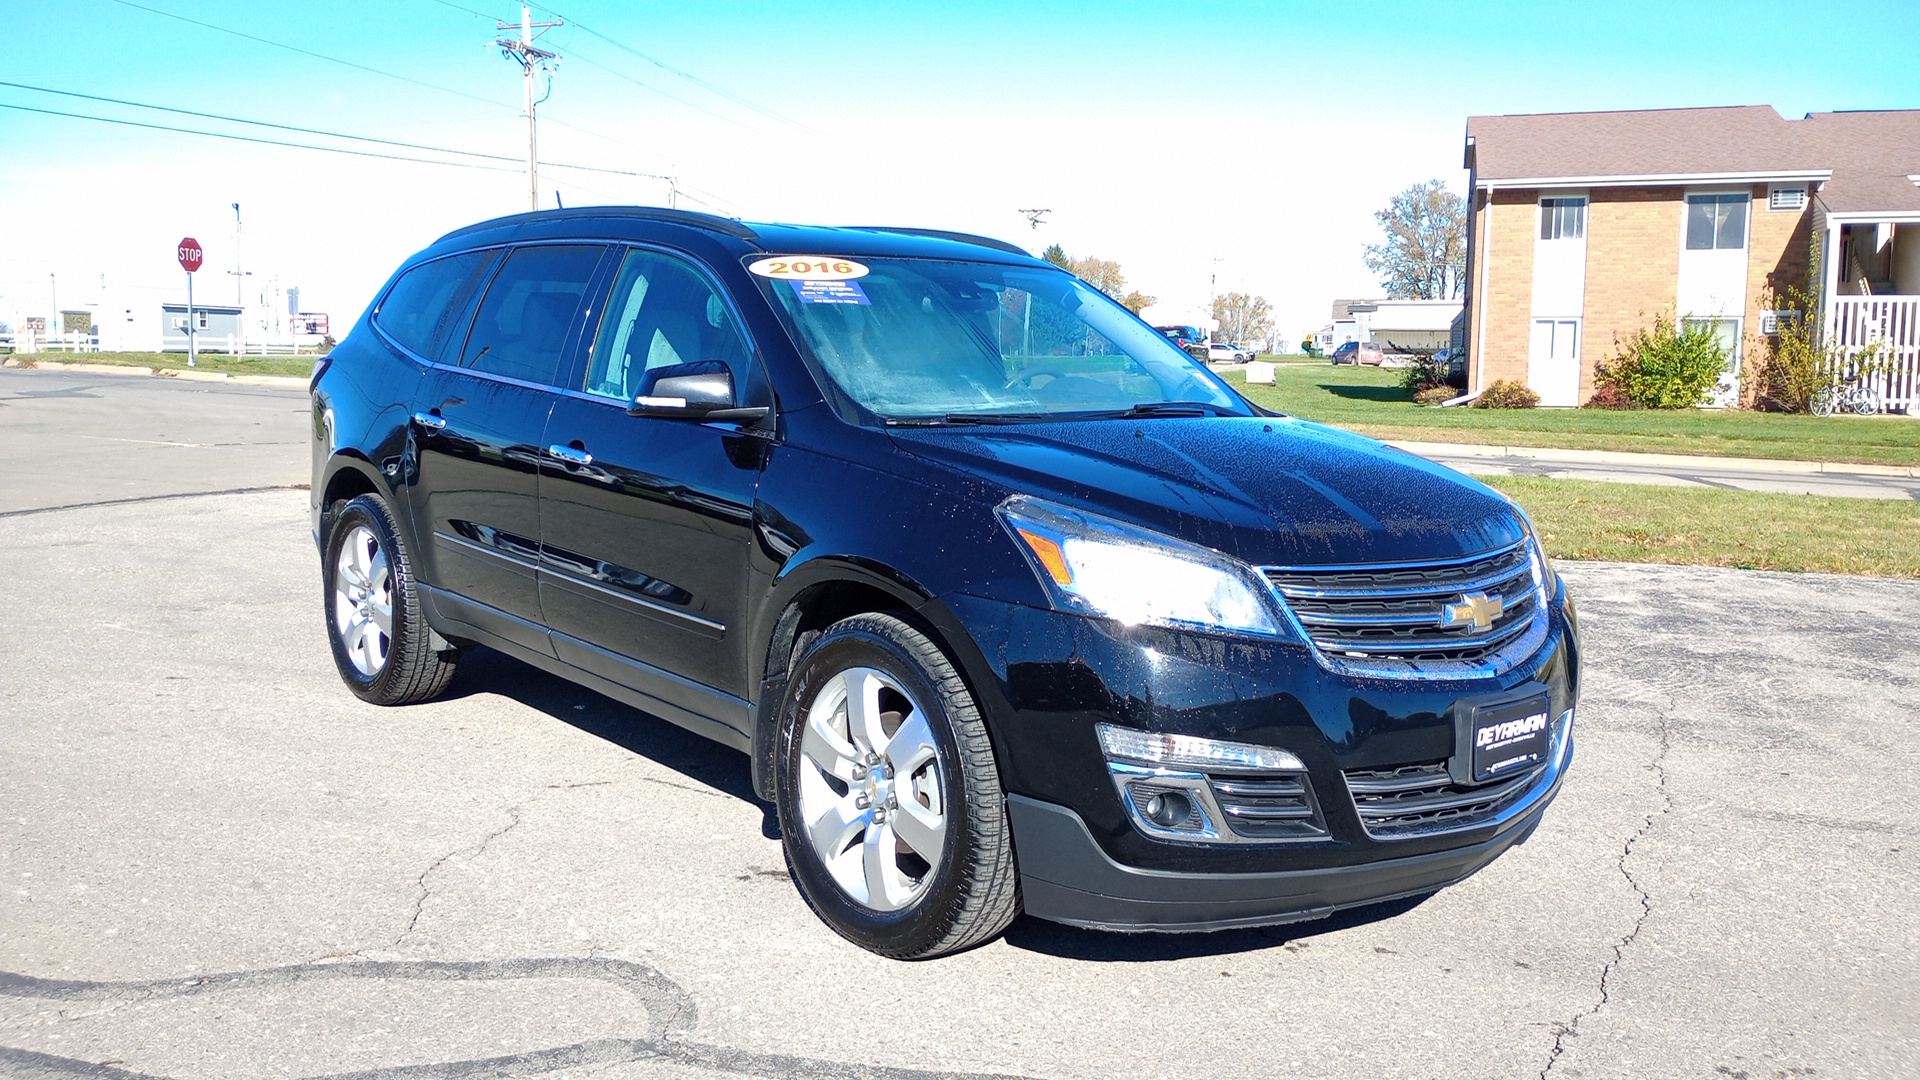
[{"x": 1270, "y": 491}]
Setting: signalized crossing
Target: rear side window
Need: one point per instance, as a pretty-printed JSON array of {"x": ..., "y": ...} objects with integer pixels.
[
  {"x": 422, "y": 311},
  {"x": 662, "y": 312},
  {"x": 524, "y": 323}
]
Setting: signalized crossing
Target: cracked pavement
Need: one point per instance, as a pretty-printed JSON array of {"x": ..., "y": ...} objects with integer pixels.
[{"x": 215, "y": 862}]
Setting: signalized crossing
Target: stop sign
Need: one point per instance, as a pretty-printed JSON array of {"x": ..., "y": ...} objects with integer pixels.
[{"x": 190, "y": 254}]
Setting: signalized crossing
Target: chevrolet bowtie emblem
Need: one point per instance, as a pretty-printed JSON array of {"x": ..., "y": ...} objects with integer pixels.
[{"x": 1475, "y": 609}]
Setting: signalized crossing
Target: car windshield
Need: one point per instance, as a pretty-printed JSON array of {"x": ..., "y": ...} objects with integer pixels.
[{"x": 922, "y": 340}]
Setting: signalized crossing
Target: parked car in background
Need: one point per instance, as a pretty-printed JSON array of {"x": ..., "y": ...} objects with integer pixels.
[
  {"x": 1190, "y": 338},
  {"x": 1227, "y": 352},
  {"x": 1360, "y": 352},
  {"x": 1010, "y": 604}
]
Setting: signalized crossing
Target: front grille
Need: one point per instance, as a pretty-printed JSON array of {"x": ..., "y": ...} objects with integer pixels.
[
  {"x": 1267, "y": 806},
  {"x": 1398, "y": 611},
  {"x": 1419, "y": 800}
]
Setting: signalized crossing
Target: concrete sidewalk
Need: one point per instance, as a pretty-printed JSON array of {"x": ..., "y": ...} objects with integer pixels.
[{"x": 1750, "y": 474}]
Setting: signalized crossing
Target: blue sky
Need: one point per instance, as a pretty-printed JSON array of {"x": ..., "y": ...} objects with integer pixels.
[{"x": 1239, "y": 146}]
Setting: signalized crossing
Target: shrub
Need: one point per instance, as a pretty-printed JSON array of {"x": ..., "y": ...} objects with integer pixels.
[
  {"x": 1423, "y": 373},
  {"x": 1610, "y": 396},
  {"x": 1434, "y": 395},
  {"x": 1506, "y": 394},
  {"x": 1666, "y": 365}
]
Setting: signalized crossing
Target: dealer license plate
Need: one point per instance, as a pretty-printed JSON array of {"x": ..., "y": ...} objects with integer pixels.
[{"x": 1508, "y": 738}]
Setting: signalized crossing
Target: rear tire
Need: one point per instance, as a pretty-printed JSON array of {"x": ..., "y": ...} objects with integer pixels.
[
  {"x": 380, "y": 640},
  {"x": 891, "y": 810}
]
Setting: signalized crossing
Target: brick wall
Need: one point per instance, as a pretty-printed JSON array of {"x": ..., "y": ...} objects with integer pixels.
[
  {"x": 1503, "y": 310},
  {"x": 1779, "y": 253},
  {"x": 1633, "y": 267}
]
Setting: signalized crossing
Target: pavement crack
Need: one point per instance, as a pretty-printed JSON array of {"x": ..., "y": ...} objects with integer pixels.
[
  {"x": 1571, "y": 1028},
  {"x": 472, "y": 851}
]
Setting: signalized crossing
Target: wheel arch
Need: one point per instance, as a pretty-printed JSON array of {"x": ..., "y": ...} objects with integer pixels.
[
  {"x": 810, "y": 598},
  {"x": 350, "y": 475}
]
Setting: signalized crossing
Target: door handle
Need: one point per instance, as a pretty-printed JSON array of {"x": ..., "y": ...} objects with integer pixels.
[
  {"x": 430, "y": 421},
  {"x": 569, "y": 454}
]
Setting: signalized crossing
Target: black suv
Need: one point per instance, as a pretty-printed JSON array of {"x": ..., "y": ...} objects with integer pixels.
[{"x": 1011, "y": 603}]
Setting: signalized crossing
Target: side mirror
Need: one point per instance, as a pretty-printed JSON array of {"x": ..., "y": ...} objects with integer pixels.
[{"x": 702, "y": 390}]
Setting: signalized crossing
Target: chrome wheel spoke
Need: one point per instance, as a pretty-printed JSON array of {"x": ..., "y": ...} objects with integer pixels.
[
  {"x": 887, "y": 888},
  {"x": 911, "y": 746},
  {"x": 824, "y": 747},
  {"x": 382, "y": 616},
  {"x": 865, "y": 722},
  {"x": 834, "y": 830},
  {"x": 923, "y": 830}
]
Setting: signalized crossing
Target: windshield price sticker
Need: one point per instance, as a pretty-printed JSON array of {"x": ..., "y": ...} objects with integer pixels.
[
  {"x": 808, "y": 268},
  {"x": 829, "y": 292}
]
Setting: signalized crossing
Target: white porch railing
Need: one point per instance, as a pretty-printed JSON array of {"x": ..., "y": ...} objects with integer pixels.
[{"x": 1859, "y": 322}]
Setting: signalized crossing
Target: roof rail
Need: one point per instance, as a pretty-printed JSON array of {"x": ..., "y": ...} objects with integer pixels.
[
  {"x": 960, "y": 237},
  {"x": 710, "y": 222}
]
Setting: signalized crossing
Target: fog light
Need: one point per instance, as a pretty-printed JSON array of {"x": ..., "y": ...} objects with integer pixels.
[{"x": 1168, "y": 809}]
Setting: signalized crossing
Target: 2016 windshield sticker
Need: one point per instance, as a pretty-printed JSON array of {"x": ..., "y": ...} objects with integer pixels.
[
  {"x": 808, "y": 268},
  {"x": 829, "y": 292}
]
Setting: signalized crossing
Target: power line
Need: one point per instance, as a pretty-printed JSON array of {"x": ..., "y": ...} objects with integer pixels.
[
  {"x": 315, "y": 55},
  {"x": 670, "y": 69},
  {"x": 316, "y": 131},
  {"x": 254, "y": 139}
]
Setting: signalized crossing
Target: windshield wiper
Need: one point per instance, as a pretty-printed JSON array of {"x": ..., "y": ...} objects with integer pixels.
[
  {"x": 1177, "y": 408},
  {"x": 969, "y": 418}
]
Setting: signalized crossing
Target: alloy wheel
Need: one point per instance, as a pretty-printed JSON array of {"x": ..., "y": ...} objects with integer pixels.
[
  {"x": 871, "y": 790},
  {"x": 363, "y": 601}
]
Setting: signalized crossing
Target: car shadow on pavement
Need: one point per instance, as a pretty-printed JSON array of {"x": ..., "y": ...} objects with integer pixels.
[
  {"x": 699, "y": 759},
  {"x": 1074, "y": 943}
]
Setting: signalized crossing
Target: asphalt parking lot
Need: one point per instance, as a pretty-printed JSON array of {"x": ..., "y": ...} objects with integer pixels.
[{"x": 216, "y": 862}]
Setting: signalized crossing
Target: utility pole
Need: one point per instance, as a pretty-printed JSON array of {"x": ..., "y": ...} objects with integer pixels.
[
  {"x": 530, "y": 57},
  {"x": 240, "y": 276},
  {"x": 59, "y": 323}
]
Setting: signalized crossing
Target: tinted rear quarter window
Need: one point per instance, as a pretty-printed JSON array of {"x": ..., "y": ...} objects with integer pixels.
[
  {"x": 423, "y": 309},
  {"x": 525, "y": 321}
]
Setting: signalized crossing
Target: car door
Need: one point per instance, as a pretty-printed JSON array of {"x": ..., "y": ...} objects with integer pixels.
[
  {"x": 477, "y": 429},
  {"x": 646, "y": 522}
]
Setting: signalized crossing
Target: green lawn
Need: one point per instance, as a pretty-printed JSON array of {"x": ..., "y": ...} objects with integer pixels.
[
  {"x": 301, "y": 365},
  {"x": 1757, "y": 530},
  {"x": 1371, "y": 401}
]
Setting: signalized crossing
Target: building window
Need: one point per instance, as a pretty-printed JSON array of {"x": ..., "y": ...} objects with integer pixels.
[
  {"x": 202, "y": 316},
  {"x": 1717, "y": 222},
  {"x": 1563, "y": 219}
]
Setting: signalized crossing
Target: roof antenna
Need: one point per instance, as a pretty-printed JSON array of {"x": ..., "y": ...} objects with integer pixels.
[
  {"x": 557, "y": 202},
  {"x": 1033, "y": 217}
]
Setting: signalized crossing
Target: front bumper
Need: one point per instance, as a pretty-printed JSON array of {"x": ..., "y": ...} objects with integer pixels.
[
  {"x": 1047, "y": 680},
  {"x": 1065, "y": 877}
]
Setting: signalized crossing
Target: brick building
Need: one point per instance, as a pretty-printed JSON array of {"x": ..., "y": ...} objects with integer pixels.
[{"x": 1583, "y": 226}]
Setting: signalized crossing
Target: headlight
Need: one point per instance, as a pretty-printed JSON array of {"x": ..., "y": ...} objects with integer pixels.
[
  {"x": 1542, "y": 566},
  {"x": 1098, "y": 566}
]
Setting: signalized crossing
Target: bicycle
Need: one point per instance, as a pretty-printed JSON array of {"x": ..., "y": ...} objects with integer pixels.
[{"x": 1853, "y": 395}]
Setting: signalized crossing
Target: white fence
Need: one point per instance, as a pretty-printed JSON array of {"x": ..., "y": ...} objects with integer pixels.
[{"x": 1892, "y": 323}]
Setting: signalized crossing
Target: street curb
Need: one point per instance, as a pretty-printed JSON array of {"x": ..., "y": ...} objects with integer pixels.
[
  {"x": 162, "y": 373},
  {"x": 1617, "y": 457}
]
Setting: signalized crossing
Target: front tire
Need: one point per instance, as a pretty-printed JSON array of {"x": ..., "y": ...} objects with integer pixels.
[
  {"x": 380, "y": 640},
  {"x": 891, "y": 811}
]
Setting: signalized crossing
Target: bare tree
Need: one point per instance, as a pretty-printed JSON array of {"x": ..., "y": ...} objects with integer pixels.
[
  {"x": 1242, "y": 317},
  {"x": 1425, "y": 256}
]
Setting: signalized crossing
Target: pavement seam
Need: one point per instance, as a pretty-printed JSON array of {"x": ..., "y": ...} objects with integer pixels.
[
  {"x": 1658, "y": 765},
  {"x": 472, "y": 851},
  {"x": 153, "y": 498}
]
